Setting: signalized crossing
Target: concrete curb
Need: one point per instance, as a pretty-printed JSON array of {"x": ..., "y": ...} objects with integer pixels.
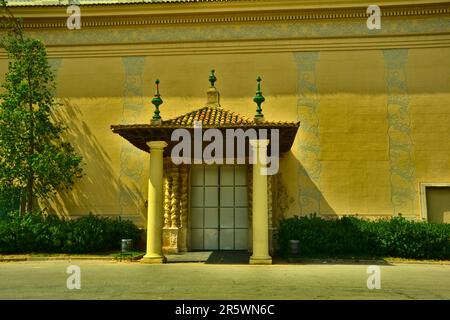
[
  {"x": 443, "y": 262},
  {"x": 55, "y": 259},
  {"x": 333, "y": 261},
  {"x": 276, "y": 261},
  {"x": 118, "y": 257},
  {"x": 12, "y": 259},
  {"x": 67, "y": 258},
  {"x": 21, "y": 259}
]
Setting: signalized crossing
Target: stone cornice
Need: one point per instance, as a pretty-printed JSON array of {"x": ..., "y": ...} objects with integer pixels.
[{"x": 222, "y": 13}]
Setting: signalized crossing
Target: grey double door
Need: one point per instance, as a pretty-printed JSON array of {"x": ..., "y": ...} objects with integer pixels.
[{"x": 219, "y": 207}]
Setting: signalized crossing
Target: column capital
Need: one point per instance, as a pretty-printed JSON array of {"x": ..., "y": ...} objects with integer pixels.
[
  {"x": 156, "y": 145},
  {"x": 259, "y": 143}
]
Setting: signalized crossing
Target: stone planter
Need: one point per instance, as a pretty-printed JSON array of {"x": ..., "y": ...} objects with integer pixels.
[
  {"x": 127, "y": 245},
  {"x": 294, "y": 247}
]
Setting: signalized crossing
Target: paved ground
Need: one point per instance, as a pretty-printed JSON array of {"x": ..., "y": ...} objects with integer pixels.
[{"x": 132, "y": 280}]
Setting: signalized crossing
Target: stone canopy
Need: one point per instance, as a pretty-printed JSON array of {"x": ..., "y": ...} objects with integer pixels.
[
  {"x": 210, "y": 117},
  {"x": 168, "y": 191}
]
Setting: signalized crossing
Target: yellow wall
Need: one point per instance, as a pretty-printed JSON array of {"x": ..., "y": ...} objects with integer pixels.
[{"x": 375, "y": 121}]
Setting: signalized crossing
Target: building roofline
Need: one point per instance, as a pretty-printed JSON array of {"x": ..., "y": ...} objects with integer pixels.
[
  {"x": 85, "y": 3},
  {"x": 303, "y": 4}
]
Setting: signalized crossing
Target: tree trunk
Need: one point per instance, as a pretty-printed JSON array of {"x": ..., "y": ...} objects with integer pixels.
[
  {"x": 31, "y": 150},
  {"x": 30, "y": 192},
  {"x": 23, "y": 205}
]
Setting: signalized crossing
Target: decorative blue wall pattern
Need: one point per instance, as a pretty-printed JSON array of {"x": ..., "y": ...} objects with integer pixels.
[
  {"x": 309, "y": 169},
  {"x": 399, "y": 130},
  {"x": 131, "y": 164},
  {"x": 229, "y": 31},
  {"x": 55, "y": 64}
]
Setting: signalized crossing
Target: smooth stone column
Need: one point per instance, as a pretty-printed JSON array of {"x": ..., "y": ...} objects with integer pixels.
[
  {"x": 155, "y": 214},
  {"x": 260, "y": 226}
]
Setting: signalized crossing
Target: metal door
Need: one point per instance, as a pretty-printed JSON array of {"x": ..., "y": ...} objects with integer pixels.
[{"x": 219, "y": 207}]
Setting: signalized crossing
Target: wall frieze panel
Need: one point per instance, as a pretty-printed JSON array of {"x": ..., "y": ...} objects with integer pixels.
[{"x": 307, "y": 30}]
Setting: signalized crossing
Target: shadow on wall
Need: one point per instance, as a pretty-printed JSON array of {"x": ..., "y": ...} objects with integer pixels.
[
  {"x": 307, "y": 194},
  {"x": 97, "y": 190}
]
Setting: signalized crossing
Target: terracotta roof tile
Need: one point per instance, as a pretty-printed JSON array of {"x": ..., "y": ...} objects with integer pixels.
[{"x": 213, "y": 116}]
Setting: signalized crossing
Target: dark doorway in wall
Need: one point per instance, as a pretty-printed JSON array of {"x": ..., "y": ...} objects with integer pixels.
[{"x": 438, "y": 204}]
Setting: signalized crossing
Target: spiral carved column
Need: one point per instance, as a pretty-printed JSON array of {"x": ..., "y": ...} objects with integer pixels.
[
  {"x": 250, "y": 205},
  {"x": 171, "y": 201},
  {"x": 184, "y": 202},
  {"x": 270, "y": 183},
  {"x": 167, "y": 196},
  {"x": 175, "y": 198}
]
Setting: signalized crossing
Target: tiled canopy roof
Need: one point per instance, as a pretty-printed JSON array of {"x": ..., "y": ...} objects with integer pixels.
[
  {"x": 216, "y": 117},
  {"x": 210, "y": 116},
  {"x": 213, "y": 116}
]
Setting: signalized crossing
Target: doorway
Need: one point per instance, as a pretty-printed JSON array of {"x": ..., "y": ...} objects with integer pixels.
[
  {"x": 219, "y": 207},
  {"x": 438, "y": 204}
]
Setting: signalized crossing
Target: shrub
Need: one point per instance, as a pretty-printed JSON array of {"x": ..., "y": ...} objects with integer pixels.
[
  {"x": 352, "y": 236},
  {"x": 9, "y": 201},
  {"x": 33, "y": 232}
]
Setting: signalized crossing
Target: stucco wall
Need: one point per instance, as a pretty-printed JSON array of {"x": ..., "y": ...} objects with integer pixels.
[{"x": 375, "y": 122}]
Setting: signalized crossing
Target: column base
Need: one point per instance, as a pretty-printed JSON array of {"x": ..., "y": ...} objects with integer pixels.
[
  {"x": 260, "y": 260},
  {"x": 182, "y": 239},
  {"x": 153, "y": 259},
  {"x": 170, "y": 240}
]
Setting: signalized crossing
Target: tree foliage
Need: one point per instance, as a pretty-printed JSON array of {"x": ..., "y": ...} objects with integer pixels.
[{"x": 34, "y": 159}]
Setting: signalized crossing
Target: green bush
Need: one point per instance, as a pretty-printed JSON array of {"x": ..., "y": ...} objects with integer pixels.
[
  {"x": 50, "y": 234},
  {"x": 352, "y": 236},
  {"x": 9, "y": 201}
]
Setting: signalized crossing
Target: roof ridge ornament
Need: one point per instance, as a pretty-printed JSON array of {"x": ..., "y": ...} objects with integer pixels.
[
  {"x": 212, "y": 77},
  {"x": 213, "y": 95},
  {"x": 259, "y": 99},
  {"x": 157, "y": 101}
]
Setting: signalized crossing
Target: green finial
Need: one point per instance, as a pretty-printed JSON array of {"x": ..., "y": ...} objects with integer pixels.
[
  {"x": 157, "y": 101},
  {"x": 212, "y": 78},
  {"x": 259, "y": 99}
]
